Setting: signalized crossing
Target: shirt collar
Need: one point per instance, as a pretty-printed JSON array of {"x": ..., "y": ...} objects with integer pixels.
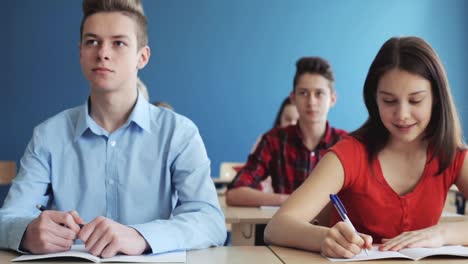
[
  {"x": 141, "y": 113},
  {"x": 140, "y": 116},
  {"x": 327, "y": 137},
  {"x": 324, "y": 141}
]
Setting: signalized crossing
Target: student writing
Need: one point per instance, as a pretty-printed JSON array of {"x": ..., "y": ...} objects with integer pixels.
[{"x": 394, "y": 172}]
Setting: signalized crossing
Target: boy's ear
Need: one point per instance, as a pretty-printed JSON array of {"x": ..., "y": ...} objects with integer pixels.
[
  {"x": 332, "y": 98},
  {"x": 143, "y": 59}
]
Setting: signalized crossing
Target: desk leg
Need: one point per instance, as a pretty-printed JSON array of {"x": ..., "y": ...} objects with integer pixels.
[{"x": 243, "y": 234}]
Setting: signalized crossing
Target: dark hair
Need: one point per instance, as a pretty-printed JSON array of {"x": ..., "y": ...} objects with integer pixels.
[
  {"x": 416, "y": 56},
  {"x": 130, "y": 8},
  {"x": 313, "y": 65},
  {"x": 285, "y": 103}
]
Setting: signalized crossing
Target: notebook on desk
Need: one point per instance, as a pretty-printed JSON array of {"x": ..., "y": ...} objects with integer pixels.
[
  {"x": 79, "y": 251},
  {"x": 408, "y": 253}
]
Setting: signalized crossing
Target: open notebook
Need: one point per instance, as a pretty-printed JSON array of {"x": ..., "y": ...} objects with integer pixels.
[
  {"x": 78, "y": 251},
  {"x": 408, "y": 253}
]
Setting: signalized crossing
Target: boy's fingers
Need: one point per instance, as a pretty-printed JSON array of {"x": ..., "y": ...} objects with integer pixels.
[
  {"x": 88, "y": 229},
  {"x": 76, "y": 217},
  {"x": 52, "y": 248},
  {"x": 61, "y": 242},
  {"x": 62, "y": 218},
  {"x": 63, "y": 232},
  {"x": 70, "y": 222}
]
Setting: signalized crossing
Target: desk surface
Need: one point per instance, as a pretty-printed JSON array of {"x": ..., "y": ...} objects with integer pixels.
[
  {"x": 221, "y": 255},
  {"x": 296, "y": 256},
  {"x": 257, "y": 215},
  {"x": 247, "y": 254},
  {"x": 247, "y": 215}
]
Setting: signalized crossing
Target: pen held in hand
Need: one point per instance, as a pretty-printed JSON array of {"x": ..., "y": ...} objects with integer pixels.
[
  {"x": 42, "y": 208},
  {"x": 342, "y": 212}
]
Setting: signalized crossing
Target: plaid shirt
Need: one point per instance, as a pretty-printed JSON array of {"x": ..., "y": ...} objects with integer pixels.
[{"x": 282, "y": 155}]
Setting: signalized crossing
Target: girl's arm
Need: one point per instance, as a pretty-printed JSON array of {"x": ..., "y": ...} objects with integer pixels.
[{"x": 291, "y": 224}]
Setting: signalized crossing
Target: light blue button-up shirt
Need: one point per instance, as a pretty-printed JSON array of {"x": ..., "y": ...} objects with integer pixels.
[{"x": 152, "y": 174}]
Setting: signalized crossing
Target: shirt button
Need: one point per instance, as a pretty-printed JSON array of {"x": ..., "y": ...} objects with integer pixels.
[
  {"x": 111, "y": 182},
  {"x": 113, "y": 143},
  {"x": 312, "y": 154}
]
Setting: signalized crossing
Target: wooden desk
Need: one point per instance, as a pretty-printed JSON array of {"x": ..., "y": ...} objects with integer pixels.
[
  {"x": 296, "y": 256},
  {"x": 247, "y": 215},
  {"x": 452, "y": 217},
  {"x": 243, "y": 221},
  {"x": 241, "y": 255},
  {"x": 221, "y": 255}
]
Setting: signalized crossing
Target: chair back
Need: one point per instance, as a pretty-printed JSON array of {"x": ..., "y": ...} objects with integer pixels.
[{"x": 7, "y": 171}]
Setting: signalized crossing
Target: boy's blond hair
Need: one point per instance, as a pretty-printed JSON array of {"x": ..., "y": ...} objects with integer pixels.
[{"x": 130, "y": 8}]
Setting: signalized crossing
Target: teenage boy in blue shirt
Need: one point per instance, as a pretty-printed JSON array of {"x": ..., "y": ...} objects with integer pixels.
[{"x": 137, "y": 176}]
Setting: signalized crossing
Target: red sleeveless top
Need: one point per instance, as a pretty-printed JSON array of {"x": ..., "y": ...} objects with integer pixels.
[{"x": 375, "y": 208}]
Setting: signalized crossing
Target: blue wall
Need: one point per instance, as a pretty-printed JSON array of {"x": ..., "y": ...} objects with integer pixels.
[{"x": 225, "y": 64}]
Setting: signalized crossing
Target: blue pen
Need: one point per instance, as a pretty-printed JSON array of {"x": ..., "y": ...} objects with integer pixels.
[{"x": 342, "y": 212}]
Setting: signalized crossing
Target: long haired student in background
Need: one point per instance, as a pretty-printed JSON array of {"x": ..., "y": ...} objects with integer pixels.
[{"x": 394, "y": 172}]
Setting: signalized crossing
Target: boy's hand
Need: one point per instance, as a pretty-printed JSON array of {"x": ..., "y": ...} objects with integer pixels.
[
  {"x": 104, "y": 237},
  {"x": 427, "y": 237},
  {"x": 51, "y": 231},
  {"x": 342, "y": 241}
]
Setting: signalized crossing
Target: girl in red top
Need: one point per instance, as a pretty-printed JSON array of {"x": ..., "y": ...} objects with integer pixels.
[{"x": 394, "y": 172}]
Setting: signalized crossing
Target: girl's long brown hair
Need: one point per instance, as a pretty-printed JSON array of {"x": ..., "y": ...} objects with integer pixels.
[{"x": 414, "y": 55}]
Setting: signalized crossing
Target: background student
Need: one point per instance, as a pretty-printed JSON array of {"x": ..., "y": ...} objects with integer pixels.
[
  {"x": 287, "y": 116},
  {"x": 137, "y": 176},
  {"x": 289, "y": 154},
  {"x": 394, "y": 172}
]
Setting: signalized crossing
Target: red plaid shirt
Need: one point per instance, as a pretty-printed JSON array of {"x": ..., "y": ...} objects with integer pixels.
[{"x": 282, "y": 155}]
